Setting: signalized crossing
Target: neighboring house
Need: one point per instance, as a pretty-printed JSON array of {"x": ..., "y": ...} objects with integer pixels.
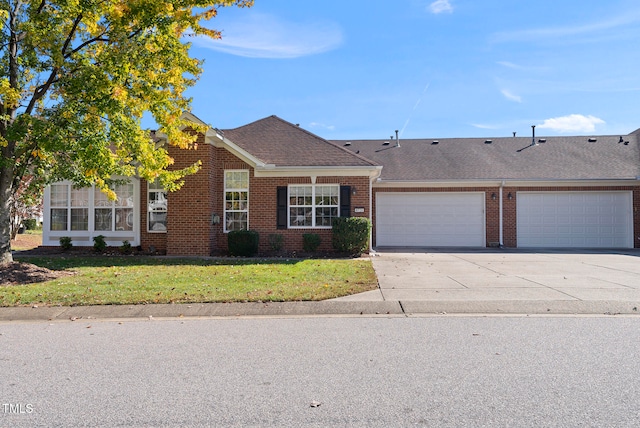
[{"x": 277, "y": 178}]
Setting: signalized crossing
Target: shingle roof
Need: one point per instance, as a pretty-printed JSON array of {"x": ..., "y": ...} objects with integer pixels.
[
  {"x": 557, "y": 158},
  {"x": 276, "y": 141}
]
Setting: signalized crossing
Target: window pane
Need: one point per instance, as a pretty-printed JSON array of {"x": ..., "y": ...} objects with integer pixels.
[
  {"x": 59, "y": 219},
  {"x": 100, "y": 199},
  {"x": 157, "y": 201},
  {"x": 80, "y": 219},
  {"x": 59, "y": 197},
  {"x": 157, "y": 221},
  {"x": 103, "y": 219},
  {"x": 124, "y": 193},
  {"x": 325, "y": 215},
  {"x": 236, "y": 221},
  {"x": 124, "y": 219},
  {"x": 80, "y": 198},
  {"x": 300, "y": 217},
  {"x": 236, "y": 179}
]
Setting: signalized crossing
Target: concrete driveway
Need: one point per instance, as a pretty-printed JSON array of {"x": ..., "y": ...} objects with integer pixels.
[{"x": 500, "y": 280}]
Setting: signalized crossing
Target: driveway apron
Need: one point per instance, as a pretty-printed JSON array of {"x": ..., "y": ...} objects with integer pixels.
[{"x": 508, "y": 275}]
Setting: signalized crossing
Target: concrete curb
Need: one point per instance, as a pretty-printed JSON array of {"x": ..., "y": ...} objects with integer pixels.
[
  {"x": 533, "y": 307},
  {"x": 200, "y": 310},
  {"x": 323, "y": 308}
]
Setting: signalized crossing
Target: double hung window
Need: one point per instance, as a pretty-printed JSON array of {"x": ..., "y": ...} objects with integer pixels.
[
  {"x": 313, "y": 205},
  {"x": 157, "y": 207},
  {"x": 236, "y": 200}
]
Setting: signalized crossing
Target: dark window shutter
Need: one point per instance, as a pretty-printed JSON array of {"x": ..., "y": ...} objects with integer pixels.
[
  {"x": 282, "y": 207},
  {"x": 345, "y": 201}
]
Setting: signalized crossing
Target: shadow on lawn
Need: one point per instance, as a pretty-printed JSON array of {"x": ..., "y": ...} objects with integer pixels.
[{"x": 61, "y": 262}]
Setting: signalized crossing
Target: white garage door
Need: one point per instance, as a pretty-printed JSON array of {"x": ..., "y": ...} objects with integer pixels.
[
  {"x": 430, "y": 219},
  {"x": 575, "y": 219}
]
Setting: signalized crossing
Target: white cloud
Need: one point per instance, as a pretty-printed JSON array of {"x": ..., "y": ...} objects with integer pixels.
[
  {"x": 322, "y": 126},
  {"x": 482, "y": 126},
  {"x": 554, "y": 33},
  {"x": 511, "y": 97},
  {"x": 266, "y": 36},
  {"x": 572, "y": 123},
  {"x": 441, "y": 6}
]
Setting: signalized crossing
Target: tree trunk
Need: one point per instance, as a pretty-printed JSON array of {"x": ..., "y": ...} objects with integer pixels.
[{"x": 6, "y": 178}]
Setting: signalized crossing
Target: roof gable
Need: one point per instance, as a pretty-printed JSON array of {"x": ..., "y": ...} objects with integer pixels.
[{"x": 277, "y": 142}]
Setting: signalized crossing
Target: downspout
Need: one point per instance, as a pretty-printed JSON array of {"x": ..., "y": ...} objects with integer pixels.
[
  {"x": 371, "y": 180},
  {"x": 371, "y": 213},
  {"x": 501, "y": 227}
]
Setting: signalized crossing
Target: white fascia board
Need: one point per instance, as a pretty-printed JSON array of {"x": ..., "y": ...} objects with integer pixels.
[
  {"x": 507, "y": 183},
  {"x": 318, "y": 171},
  {"x": 218, "y": 140}
]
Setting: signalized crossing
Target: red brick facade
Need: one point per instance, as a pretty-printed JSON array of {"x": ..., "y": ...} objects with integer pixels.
[{"x": 190, "y": 230}]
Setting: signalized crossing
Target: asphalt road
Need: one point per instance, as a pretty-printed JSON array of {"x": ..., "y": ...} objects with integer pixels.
[{"x": 324, "y": 371}]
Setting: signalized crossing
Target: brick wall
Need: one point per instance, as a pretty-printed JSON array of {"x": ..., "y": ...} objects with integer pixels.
[
  {"x": 263, "y": 204},
  {"x": 189, "y": 228}
]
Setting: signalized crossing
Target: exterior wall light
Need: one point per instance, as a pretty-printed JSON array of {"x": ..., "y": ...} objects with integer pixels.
[
  {"x": 493, "y": 196},
  {"x": 510, "y": 196},
  {"x": 215, "y": 219}
]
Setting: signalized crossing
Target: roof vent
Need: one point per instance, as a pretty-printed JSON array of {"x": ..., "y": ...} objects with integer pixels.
[
  {"x": 386, "y": 143},
  {"x": 434, "y": 142},
  {"x": 488, "y": 141},
  {"x": 621, "y": 139},
  {"x": 626, "y": 143},
  {"x": 348, "y": 143},
  {"x": 593, "y": 140},
  {"x": 542, "y": 140}
]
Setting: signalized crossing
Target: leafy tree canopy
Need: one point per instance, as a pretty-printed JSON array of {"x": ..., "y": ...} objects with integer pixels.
[{"x": 76, "y": 78}]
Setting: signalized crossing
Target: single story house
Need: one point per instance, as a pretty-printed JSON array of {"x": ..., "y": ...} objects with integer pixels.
[{"x": 275, "y": 177}]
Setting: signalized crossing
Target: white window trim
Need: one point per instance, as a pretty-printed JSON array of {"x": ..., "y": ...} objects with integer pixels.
[
  {"x": 224, "y": 197},
  {"x": 313, "y": 205}
]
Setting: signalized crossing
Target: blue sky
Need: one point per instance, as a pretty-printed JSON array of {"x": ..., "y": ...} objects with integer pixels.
[{"x": 430, "y": 68}]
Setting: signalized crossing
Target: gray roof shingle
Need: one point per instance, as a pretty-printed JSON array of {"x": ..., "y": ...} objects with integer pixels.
[
  {"x": 276, "y": 141},
  {"x": 557, "y": 158}
]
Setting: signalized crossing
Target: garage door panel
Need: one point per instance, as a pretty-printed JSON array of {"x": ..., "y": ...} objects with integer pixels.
[
  {"x": 575, "y": 219},
  {"x": 430, "y": 219}
]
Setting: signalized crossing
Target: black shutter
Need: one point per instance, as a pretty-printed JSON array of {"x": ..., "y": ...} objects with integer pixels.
[
  {"x": 282, "y": 208},
  {"x": 345, "y": 201}
]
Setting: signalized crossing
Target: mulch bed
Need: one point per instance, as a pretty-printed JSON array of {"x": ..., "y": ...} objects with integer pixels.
[{"x": 17, "y": 273}]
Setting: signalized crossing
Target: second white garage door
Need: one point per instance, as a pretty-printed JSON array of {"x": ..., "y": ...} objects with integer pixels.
[
  {"x": 575, "y": 219},
  {"x": 430, "y": 219}
]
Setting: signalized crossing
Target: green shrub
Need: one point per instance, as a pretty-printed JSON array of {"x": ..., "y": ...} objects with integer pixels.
[
  {"x": 30, "y": 223},
  {"x": 276, "y": 241},
  {"x": 351, "y": 234},
  {"x": 243, "y": 243},
  {"x": 65, "y": 243},
  {"x": 310, "y": 242},
  {"x": 99, "y": 244},
  {"x": 125, "y": 248}
]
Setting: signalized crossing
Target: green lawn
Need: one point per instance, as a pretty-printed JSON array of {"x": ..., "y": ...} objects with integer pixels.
[{"x": 139, "y": 280}]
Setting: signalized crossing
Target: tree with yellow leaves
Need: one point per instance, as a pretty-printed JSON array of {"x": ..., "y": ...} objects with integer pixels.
[{"x": 77, "y": 77}]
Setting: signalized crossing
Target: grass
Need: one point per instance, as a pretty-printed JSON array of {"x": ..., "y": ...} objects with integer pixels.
[
  {"x": 140, "y": 280},
  {"x": 28, "y": 240}
]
